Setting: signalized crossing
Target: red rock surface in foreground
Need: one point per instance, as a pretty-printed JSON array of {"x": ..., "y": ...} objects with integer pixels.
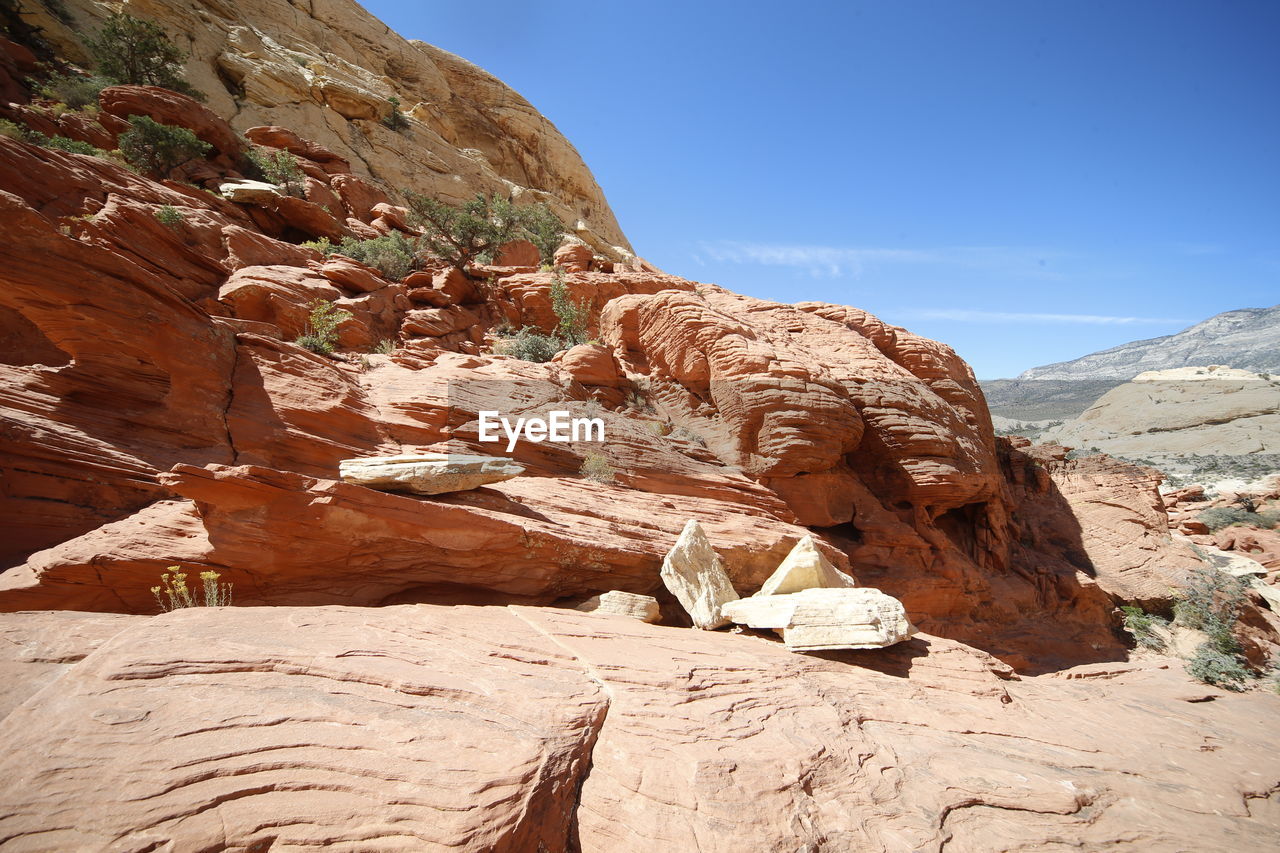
[{"x": 519, "y": 728}]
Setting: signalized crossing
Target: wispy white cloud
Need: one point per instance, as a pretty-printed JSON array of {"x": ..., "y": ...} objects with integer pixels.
[
  {"x": 838, "y": 261},
  {"x": 960, "y": 315}
]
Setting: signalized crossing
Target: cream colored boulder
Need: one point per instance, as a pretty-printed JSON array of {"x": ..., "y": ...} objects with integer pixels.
[
  {"x": 642, "y": 607},
  {"x": 249, "y": 192},
  {"x": 428, "y": 473},
  {"x": 813, "y": 619},
  {"x": 805, "y": 568},
  {"x": 696, "y": 577}
]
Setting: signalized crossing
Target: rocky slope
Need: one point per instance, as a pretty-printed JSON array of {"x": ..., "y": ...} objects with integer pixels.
[
  {"x": 1247, "y": 339},
  {"x": 156, "y": 411},
  {"x": 326, "y": 70}
]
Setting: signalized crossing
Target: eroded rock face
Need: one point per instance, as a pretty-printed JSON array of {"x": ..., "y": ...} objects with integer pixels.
[
  {"x": 428, "y": 473},
  {"x": 503, "y": 728}
]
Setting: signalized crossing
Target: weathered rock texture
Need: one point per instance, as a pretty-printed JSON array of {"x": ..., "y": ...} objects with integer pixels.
[{"x": 478, "y": 729}]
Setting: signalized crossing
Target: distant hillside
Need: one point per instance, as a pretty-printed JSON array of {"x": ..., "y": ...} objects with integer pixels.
[
  {"x": 1248, "y": 339},
  {"x": 1043, "y": 399}
]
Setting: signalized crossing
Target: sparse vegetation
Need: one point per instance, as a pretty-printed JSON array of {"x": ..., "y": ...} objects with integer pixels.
[
  {"x": 1142, "y": 626},
  {"x": 472, "y": 231},
  {"x": 1213, "y": 666},
  {"x": 572, "y": 316},
  {"x": 173, "y": 592},
  {"x": 529, "y": 344},
  {"x": 74, "y": 146},
  {"x": 156, "y": 148},
  {"x": 170, "y": 217},
  {"x": 596, "y": 467},
  {"x": 386, "y": 346},
  {"x": 394, "y": 255},
  {"x": 545, "y": 230},
  {"x": 1211, "y": 603},
  {"x": 131, "y": 50},
  {"x": 74, "y": 90},
  {"x": 395, "y": 119},
  {"x": 1218, "y": 517},
  {"x": 321, "y": 333},
  {"x": 278, "y": 167}
]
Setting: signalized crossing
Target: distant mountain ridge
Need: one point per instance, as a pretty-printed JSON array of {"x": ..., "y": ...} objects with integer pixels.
[{"x": 1248, "y": 338}]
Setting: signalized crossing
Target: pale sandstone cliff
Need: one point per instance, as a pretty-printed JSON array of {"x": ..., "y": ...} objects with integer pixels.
[{"x": 325, "y": 69}]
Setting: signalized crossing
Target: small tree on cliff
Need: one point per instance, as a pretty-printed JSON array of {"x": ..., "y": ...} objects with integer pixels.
[
  {"x": 157, "y": 148},
  {"x": 544, "y": 229},
  {"x": 471, "y": 231},
  {"x": 131, "y": 50}
]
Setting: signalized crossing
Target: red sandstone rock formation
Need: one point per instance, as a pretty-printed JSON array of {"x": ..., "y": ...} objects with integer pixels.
[{"x": 514, "y": 728}]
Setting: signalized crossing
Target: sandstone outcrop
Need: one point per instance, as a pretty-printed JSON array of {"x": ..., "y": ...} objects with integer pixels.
[
  {"x": 468, "y": 728},
  {"x": 327, "y": 72},
  {"x": 428, "y": 473},
  {"x": 817, "y": 619},
  {"x": 695, "y": 575}
]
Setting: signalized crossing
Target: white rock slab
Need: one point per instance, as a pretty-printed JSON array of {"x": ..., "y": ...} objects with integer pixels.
[
  {"x": 249, "y": 192},
  {"x": 428, "y": 473},
  {"x": 695, "y": 575},
  {"x": 813, "y": 619},
  {"x": 642, "y": 607},
  {"x": 805, "y": 568}
]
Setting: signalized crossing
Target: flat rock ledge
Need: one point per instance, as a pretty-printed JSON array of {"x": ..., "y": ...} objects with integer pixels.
[
  {"x": 428, "y": 473},
  {"x": 816, "y": 619}
]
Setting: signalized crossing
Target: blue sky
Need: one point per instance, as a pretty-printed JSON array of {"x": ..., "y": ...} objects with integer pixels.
[{"x": 1026, "y": 181}]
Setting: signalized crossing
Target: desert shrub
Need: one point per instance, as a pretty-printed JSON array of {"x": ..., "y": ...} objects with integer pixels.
[
  {"x": 529, "y": 344},
  {"x": 75, "y": 91},
  {"x": 386, "y": 346},
  {"x": 1218, "y": 517},
  {"x": 395, "y": 119},
  {"x": 12, "y": 130},
  {"x": 173, "y": 592},
  {"x": 75, "y": 146},
  {"x": 1214, "y": 666},
  {"x": 394, "y": 255},
  {"x": 157, "y": 148},
  {"x": 278, "y": 167},
  {"x": 544, "y": 229},
  {"x": 321, "y": 333},
  {"x": 131, "y": 50},
  {"x": 323, "y": 245},
  {"x": 1211, "y": 602},
  {"x": 572, "y": 328},
  {"x": 169, "y": 216},
  {"x": 471, "y": 231},
  {"x": 595, "y": 466},
  {"x": 1141, "y": 625}
]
